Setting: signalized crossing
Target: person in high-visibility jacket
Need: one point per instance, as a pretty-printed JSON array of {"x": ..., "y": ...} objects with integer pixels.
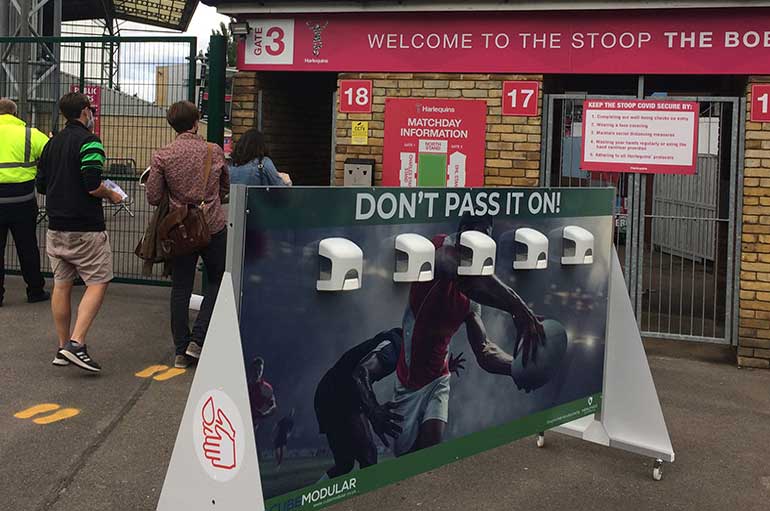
[{"x": 20, "y": 148}]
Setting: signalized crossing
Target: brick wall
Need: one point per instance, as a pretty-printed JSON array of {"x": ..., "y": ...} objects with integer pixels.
[
  {"x": 245, "y": 94},
  {"x": 296, "y": 120},
  {"x": 513, "y": 143},
  {"x": 754, "y": 341}
]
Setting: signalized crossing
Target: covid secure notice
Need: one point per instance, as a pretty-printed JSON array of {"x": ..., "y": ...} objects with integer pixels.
[{"x": 434, "y": 142}]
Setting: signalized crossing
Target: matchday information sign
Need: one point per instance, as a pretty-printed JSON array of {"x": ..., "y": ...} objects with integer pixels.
[
  {"x": 434, "y": 142},
  {"x": 657, "y": 137},
  {"x": 705, "y": 41}
]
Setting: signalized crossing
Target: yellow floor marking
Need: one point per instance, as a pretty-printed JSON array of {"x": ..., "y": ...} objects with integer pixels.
[
  {"x": 146, "y": 373},
  {"x": 169, "y": 374},
  {"x": 62, "y": 414},
  {"x": 34, "y": 410}
]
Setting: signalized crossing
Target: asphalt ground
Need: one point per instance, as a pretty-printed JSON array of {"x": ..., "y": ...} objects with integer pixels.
[{"x": 113, "y": 454}]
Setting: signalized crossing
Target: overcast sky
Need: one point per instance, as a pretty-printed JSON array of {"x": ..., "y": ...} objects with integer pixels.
[{"x": 204, "y": 21}]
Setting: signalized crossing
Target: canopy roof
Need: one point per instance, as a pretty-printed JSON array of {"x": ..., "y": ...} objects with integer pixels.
[{"x": 171, "y": 14}]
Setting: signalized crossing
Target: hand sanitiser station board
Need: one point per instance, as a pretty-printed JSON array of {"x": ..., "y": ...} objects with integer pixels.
[{"x": 364, "y": 336}]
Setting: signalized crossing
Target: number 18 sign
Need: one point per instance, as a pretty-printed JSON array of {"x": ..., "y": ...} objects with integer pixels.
[
  {"x": 760, "y": 97},
  {"x": 520, "y": 98},
  {"x": 355, "y": 96}
]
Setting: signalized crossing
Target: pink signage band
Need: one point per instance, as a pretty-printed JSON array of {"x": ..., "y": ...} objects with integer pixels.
[{"x": 683, "y": 41}]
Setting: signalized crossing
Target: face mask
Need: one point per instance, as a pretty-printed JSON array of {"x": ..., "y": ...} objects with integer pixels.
[{"x": 90, "y": 123}]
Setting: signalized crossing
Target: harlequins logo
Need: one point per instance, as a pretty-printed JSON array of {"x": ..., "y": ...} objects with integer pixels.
[
  {"x": 317, "y": 29},
  {"x": 590, "y": 400}
]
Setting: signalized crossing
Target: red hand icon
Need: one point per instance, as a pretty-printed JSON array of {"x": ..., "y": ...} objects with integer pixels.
[{"x": 219, "y": 436}]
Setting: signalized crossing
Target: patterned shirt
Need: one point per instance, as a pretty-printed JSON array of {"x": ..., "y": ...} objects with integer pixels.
[{"x": 178, "y": 169}]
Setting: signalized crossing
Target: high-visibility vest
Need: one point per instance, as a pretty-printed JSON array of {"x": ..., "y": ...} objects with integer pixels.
[{"x": 20, "y": 149}]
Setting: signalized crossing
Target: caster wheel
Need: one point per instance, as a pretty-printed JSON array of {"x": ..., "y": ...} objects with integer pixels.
[
  {"x": 657, "y": 470},
  {"x": 541, "y": 440}
]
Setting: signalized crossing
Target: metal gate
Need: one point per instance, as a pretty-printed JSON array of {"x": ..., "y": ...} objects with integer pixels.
[
  {"x": 675, "y": 235},
  {"x": 132, "y": 81}
]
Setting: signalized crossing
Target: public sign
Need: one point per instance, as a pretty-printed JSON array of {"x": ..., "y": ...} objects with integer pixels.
[
  {"x": 325, "y": 432},
  {"x": 520, "y": 98},
  {"x": 760, "y": 102},
  {"x": 355, "y": 96},
  {"x": 434, "y": 142},
  {"x": 645, "y": 136},
  {"x": 622, "y": 41},
  {"x": 94, "y": 93},
  {"x": 360, "y": 133}
]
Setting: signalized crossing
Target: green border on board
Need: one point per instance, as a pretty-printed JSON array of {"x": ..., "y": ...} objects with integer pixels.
[{"x": 394, "y": 470}]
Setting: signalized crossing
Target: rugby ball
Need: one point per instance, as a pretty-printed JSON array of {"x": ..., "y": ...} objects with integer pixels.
[{"x": 540, "y": 371}]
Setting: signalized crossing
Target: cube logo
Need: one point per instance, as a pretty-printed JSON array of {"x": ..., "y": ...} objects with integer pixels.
[
  {"x": 270, "y": 42},
  {"x": 218, "y": 435}
]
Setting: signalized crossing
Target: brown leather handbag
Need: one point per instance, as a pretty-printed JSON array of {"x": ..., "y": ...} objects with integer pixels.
[{"x": 184, "y": 230}]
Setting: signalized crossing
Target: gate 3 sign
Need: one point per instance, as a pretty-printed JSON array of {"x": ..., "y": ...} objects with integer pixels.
[
  {"x": 434, "y": 142},
  {"x": 397, "y": 378}
]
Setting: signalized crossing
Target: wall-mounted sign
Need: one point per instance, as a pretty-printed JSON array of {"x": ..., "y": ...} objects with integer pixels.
[
  {"x": 621, "y": 41},
  {"x": 645, "y": 136},
  {"x": 355, "y": 96},
  {"x": 520, "y": 98},
  {"x": 360, "y": 134},
  {"x": 434, "y": 142},
  {"x": 760, "y": 102}
]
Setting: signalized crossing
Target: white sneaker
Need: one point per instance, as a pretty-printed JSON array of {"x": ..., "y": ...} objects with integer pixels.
[
  {"x": 193, "y": 350},
  {"x": 59, "y": 359}
]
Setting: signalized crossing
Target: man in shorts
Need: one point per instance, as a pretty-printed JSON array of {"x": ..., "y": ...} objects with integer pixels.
[
  {"x": 436, "y": 310},
  {"x": 70, "y": 176},
  {"x": 345, "y": 403}
]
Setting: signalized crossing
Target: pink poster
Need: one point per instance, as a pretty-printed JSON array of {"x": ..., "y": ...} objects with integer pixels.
[
  {"x": 94, "y": 93},
  {"x": 646, "y": 136},
  {"x": 434, "y": 142}
]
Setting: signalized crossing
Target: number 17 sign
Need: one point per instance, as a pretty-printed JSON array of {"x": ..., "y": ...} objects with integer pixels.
[
  {"x": 520, "y": 98},
  {"x": 760, "y": 99}
]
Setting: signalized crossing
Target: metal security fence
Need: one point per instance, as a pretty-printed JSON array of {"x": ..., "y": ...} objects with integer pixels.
[
  {"x": 563, "y": 114},
  {"x": 125, "y": 224},
  {"x": 687, "y": 276},
  {"x": 131, "y": 81},
  {"x": 676, "y": 236}
]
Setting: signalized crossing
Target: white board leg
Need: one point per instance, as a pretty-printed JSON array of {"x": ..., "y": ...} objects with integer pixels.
[
  {"x": 196, "y": 480},
  {"x": 631, "y": 417}
]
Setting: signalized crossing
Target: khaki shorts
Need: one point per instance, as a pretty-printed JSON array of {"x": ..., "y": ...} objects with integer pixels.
[{"x": 84, "y": 254}]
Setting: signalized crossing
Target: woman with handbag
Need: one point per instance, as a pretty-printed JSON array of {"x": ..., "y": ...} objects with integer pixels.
[
  {"x": 194, "y": 175},
  {"x": 252, "y": 164}
]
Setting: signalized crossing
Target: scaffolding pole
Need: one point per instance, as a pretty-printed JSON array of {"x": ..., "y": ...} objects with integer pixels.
[{"x": 5, "y": 11}]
